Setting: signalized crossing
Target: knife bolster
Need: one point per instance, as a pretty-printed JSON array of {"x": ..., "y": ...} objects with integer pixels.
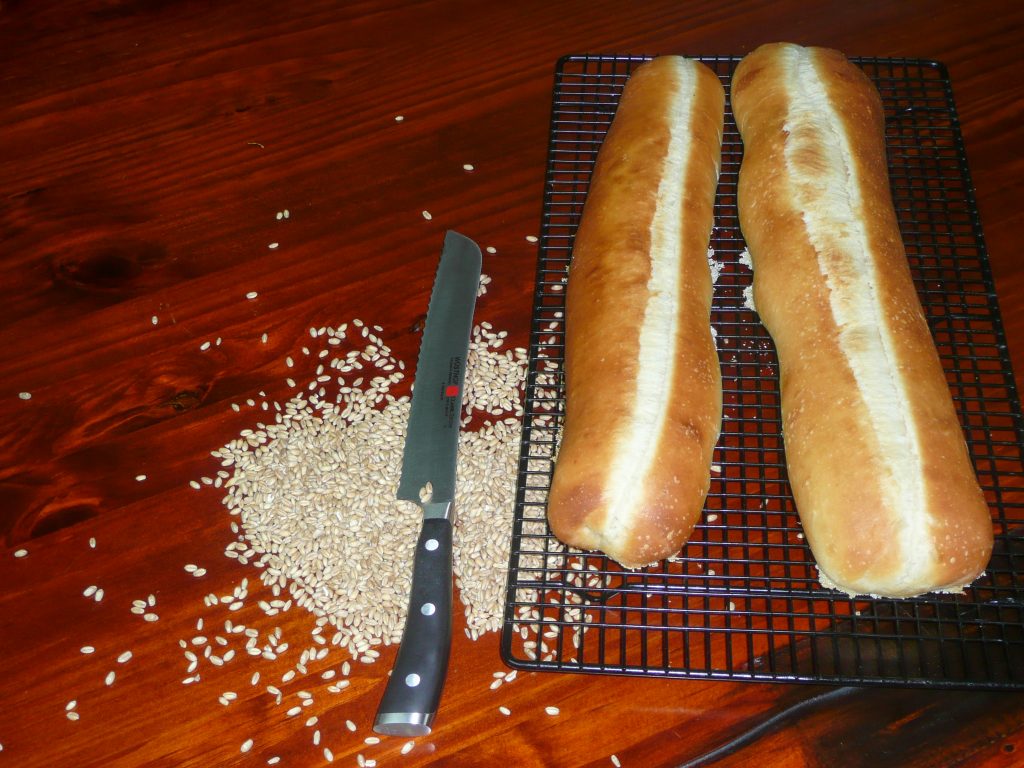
[{"x": 443, "y": 510}]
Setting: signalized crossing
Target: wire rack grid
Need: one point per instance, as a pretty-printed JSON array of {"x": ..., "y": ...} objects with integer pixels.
[{"x": 741, "y": 601}]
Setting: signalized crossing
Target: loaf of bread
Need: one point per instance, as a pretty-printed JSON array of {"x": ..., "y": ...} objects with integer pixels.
[
  {"x": 877, "y": 461},
  {"x": 642, "y": 381}
]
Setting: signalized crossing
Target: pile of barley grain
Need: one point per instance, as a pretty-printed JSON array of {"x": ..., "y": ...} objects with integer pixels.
[{"x": 315, "y": 491}]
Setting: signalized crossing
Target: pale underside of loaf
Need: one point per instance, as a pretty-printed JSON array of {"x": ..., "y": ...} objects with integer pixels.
[
  {"x": 837, "y": 202},
  {"x": 630, "y": 325}
]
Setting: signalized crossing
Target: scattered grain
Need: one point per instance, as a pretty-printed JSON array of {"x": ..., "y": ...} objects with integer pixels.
[
  {"x": 25, "y": 395},
  {"x": 87, "y": 649},
  {"x": 553, "y": 711},
  {"x": 615, "y": 761},
  {"x": 427, "y": 215},
  {"x": 21, "y": 553},
  {"x": 408, "y": 747},
  {"x": 505, "y": 711},
  {"x": 140, "y": 478},
  {"x": 316, "y": 443},
  {"x": 305, "y": 499},
  {"x": 124, "y": 658},
  {"x": 246, "y": 745},
  {"x": 109, "y": 679}
]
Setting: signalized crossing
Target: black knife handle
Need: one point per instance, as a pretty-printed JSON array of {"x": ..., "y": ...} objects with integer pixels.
[{"x": 414, "y": 690}]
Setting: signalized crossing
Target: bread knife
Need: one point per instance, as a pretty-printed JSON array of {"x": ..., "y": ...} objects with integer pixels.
[{"x": 413, "y": 691}]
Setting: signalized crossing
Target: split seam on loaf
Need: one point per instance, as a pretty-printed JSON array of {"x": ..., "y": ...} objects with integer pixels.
[
  {"x": 834, "y": 216},
  {"x": 642, "y": 378},
  {"x": 656, "y": 352}
]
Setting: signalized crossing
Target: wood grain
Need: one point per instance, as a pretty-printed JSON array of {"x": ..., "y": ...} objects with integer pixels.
[{"x": 146, "y": 147}]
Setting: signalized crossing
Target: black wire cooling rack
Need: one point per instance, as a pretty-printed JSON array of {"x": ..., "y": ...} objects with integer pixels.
[{"x": 741, "y": 601}]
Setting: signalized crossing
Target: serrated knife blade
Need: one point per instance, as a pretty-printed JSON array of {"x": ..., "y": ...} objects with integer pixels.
[{"x": 413, "y": 691}]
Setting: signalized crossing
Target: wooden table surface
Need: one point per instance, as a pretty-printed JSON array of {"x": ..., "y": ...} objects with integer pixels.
[{"x": 145, "y": 148}]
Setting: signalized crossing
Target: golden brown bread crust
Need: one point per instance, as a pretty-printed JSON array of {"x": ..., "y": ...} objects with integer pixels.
[
  {"x": 877, "y": 461},
  {"x": 643, "y": 385}
]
